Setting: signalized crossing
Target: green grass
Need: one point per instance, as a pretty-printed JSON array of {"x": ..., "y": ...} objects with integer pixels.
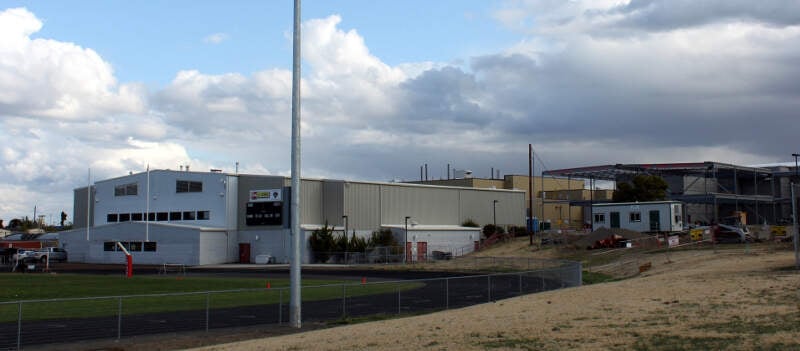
[
  {"x": 67, "y": 286},
  {"x": 588, "y": 278}
]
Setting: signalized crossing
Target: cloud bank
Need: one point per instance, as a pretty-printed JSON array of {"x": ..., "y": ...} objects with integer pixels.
[{"x": 587, "y": 83}]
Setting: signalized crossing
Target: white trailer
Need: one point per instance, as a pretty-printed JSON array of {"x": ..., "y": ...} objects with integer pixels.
[{"x": 646, "y": 217}]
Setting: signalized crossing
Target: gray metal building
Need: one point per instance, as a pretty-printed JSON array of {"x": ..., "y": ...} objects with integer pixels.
[{"x": 211, "y": 217}]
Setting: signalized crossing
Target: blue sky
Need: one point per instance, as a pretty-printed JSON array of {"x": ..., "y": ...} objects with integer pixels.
[
  {"x": 387, "y": 87},
  {"x": 148, "y": 41}
]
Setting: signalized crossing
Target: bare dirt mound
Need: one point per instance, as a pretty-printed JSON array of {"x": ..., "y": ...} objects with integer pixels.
[{"x": 700, "y": 300}]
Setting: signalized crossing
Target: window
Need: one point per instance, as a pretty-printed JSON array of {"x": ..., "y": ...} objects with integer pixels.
[
  {"x": 635, "y": 217},
  {"x": 126, "y": 189},
  {"x": 124, "y": 217},
  {"x": 149, "y": 246},
  {"x": 136, "y": 216},
  {"x": 135, "y": 246},
  {"x": 162, "y": 216},
  {"x": 188, "y": 215},
  {"x": 151, "y": 216},
  {"x": 186, "y": 186},
  {"x": 174, "y": 216},
  {"x": 677, "y": 219},
  {"x": 203, "y": 215},
  {"x": 112, "y": 217},
  {"x": 109, "y": 246},
  {"x": 599, "y": 217}
]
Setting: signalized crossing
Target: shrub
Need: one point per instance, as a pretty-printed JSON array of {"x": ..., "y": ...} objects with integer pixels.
[{"x": 470, "y": 223}]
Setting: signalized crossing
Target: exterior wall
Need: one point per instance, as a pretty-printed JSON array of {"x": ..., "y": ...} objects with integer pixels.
[
  {"x": 666, "y": 211},
  {"x": 312, "y": 202},
  {"x": 214, "y": 247},
  {"x": 175, "y": 244},
  {"x": 79, "y": 208},
  {"x": 275, "y": 243},
  {"x": 332, "y": 200},
  {"x": 362, "y": 206},
  {"x": 164, "y": 197},
  {"x": 455, "y": 241},
  {"x": 478, "y": 205},
  {"x": 428, "y": 205}
]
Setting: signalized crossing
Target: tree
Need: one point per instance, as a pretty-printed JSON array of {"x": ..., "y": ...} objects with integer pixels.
[
  {"x": 642, "y": 188},
  {"x": 63, "y": 217}
]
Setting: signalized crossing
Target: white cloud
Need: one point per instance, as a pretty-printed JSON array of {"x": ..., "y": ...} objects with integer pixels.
[
  {"x": 216, "y": 38},
  {"x": 47, "y": 78}
]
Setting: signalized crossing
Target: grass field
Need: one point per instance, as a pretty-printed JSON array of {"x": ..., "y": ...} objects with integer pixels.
[{"x": 184, "y": 293}]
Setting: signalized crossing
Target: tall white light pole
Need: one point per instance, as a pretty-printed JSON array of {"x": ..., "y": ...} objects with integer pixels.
[
  {"x": 294, "y": 274},
  {"x": 88, "y": 201}
]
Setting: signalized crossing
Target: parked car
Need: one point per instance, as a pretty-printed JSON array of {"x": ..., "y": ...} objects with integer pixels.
[
  {"x": 22, "y": 254},
  {"x": 53, "y": 253}
]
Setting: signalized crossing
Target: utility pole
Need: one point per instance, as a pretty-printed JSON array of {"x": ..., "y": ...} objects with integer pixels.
[{"x": 294, "y": 274}]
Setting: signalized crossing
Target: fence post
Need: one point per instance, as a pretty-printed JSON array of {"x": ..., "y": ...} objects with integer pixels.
[
  {"x": 280, "y": 307},
  {"x": 489, "y": 287},
  {"x": 398, "y": 300},
  {"x": 208, "y": 298},
  {"x": 520, "y": 283},
  {"x": 19, "y": 326},
  {"x": 119, "y": 318},
  {"x": 344, "y": 300},
  {"x": 447, "y": 293}
]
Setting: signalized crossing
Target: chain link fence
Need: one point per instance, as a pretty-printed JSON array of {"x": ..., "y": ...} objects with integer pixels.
[{"x": 55, "y": 321}]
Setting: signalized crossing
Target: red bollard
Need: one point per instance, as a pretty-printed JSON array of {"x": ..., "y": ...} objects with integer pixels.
[
  {"x": 363, "y": 280},
  {"x": 269, "y": 286}
]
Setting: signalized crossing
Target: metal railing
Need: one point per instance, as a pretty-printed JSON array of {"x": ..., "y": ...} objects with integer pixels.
[{"x": 58, "y": 321}]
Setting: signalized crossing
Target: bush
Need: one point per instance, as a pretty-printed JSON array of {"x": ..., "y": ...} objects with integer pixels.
[
  {"x": 470, "y": 223},
  {"x": 491, "y": 229},
  {"x": 517, "y": 230}
]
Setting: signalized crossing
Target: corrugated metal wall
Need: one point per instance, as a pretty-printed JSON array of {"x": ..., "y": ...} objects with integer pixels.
[
  {"x": 332, "y": 201},
  {"x": 361, "y": 205},
  {"x": 425, "y": 205},
  {"x": 253, "y": 182},
  {"x": 311, "y": 193}
]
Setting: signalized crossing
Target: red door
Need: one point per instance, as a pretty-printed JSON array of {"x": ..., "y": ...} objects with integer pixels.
[
  {"x": 244, "y": 252},
  {"x": 422, "y": 251}
]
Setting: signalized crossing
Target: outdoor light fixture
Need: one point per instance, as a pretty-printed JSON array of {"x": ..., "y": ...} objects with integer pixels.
[{"x": 405, "y": 239}]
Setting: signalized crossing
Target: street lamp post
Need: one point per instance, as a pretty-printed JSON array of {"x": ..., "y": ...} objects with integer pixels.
[
  {"x": 795, "y": 232},
  {"x": 405, "y": 240},
  {"x": 494, "y": 214}
]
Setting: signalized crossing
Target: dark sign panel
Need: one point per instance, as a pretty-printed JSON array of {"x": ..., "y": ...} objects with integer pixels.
[{"x": 264, "y": 213}]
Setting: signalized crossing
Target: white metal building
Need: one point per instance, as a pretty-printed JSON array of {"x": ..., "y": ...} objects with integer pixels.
[
  {"x": 653, "y": 216},
  {"x": 196, "y": 218}
]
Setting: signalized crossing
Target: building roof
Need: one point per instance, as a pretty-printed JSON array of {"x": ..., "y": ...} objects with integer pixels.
[{"x": 611, "y": 172}]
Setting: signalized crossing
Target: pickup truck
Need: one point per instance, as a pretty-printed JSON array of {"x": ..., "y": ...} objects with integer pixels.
[{"x": 54, "y": 253}]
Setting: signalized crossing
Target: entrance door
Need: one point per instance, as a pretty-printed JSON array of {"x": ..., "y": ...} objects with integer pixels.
[
  {"x": 244, "y": 252},
  {"x": 422, "y": 251},
  {"x": 614, "y": 219},
  {"x": 655, "y": 221}
]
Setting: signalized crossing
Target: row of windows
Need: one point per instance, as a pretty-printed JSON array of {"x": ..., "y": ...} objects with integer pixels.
[
  {"x": 187, "y": 186},
  {"x": 181, "y": 186},
  {"x": 632, "y": 217},
  {"x": 126, "y": 189},
  {"x": 131, "y": 246},
  {"x": 159, "y": 216}
]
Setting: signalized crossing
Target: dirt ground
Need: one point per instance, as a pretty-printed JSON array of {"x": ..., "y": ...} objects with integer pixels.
[{"x": 691, "y": 300}]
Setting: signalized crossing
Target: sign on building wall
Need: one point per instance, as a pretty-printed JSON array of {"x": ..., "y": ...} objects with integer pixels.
[{"x": 267, "y": 195}]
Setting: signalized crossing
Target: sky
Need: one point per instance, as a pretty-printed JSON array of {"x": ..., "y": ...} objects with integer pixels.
[{"x": 115, "y": 86}]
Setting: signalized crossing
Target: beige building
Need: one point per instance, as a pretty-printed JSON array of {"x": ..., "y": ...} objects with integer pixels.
[{"x": 557, "y": 193}]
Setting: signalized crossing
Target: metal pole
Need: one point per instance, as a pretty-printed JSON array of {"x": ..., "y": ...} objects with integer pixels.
[
  {"x": 280, "y": 307},
  {"x": 88, "y": 202},
  {"x": 794, "y": 229},
  {"x": 295, "y": 301},
  {"x": 447, "y": 293},
  {"x": 207, "y": 308},
  {"x": 19, "y": 326},
  {"x": 398, "y": 300},
  {"x": 344, "y": 300},
  {"x": 530, "y": 193},
  {"x": 147, "y": 210},
  {"x": 119, "y": 318},
  {"x": 405, "y": 242},
  {"x": 489, "y": 287}
]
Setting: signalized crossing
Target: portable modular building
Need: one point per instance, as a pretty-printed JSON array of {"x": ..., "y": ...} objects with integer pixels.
[{"x": 652, "y": 217}]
